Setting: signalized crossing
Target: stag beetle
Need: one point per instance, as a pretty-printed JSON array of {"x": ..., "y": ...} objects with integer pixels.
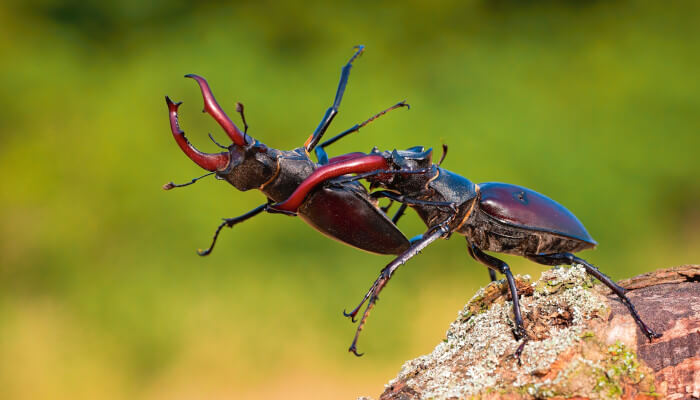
[
  {"x": 340, "y": 211},
  {"x": 492, "y": 216},
  {"x": 498, "y": 217}
]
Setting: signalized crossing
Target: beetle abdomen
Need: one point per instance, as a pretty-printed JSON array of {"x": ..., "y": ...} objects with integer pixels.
[
  {"x": 347, "y": 215},
  {"x": 490, "y": 234},
  {"x": 516, "y": 220}
]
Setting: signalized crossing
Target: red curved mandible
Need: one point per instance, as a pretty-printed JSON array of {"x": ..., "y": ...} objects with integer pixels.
[
  {"x": 215, "y": 110},
  {"x": 326, "y": 172},
  {"x": 210, "y": 162}
]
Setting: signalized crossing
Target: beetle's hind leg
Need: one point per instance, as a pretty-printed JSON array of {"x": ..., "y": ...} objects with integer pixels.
[{"x": 568, "y": 258}]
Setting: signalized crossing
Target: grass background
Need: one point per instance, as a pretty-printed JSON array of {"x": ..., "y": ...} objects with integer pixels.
[{"x": 594, "y": 104}]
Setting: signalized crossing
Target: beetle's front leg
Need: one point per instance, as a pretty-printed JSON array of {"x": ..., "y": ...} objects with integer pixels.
[
  {"x": 373, "y": 294},
  {"x": 412, "y": 202},
  {"x": 313, "y": 140},
  {"x": 407, "y": 201},
  {"x": 320, "y": 150}
]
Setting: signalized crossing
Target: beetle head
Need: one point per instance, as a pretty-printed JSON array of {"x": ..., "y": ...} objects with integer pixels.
[
  {"x": 413, "y": 158},
  {"x": 241, "y": 164},
  {"x": 416, "y": 159}
]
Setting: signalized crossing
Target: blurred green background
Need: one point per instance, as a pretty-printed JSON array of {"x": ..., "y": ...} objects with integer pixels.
[{"x": 595, "y": 104}]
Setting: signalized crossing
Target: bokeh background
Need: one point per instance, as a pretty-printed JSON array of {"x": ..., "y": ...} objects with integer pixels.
[{"x": 595, "y": 104}]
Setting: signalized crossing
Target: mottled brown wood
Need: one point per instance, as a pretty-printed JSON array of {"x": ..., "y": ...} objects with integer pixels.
[
  {"x": 683, "y": 273},
  {"x": 668, "y": 300}
]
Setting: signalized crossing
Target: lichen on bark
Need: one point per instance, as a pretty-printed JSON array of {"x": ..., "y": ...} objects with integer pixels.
[{"x": 575, "y": 346}]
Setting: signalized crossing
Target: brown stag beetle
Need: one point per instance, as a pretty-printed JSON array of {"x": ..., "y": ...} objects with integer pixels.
[
  {"x": 492, "y": 216},
  {"x": 340, "y": 211}
]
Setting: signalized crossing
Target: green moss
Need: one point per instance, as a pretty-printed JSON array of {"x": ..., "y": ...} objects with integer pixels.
[
  {"x": 621, "y": 366},
  {"x": 625, "y": 361}
]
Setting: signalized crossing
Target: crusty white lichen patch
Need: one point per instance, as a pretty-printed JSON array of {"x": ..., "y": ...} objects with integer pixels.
[{"x": 477, "y": 353}]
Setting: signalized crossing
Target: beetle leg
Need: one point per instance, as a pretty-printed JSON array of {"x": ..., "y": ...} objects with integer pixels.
[
  {"x": 492, "y": 275},
  {"x": 321, "y": 155},
  {"x": 352, "y": 314},
  {"x": 386, "y": 208},
  {"x": 399, "y": 213},
  {"x": 495, "y": 264},
  {"x": 313, "y": 140},
  {"x": 388, "y": 271},
  {"x": 411, "y": 202},
  {"x": 406, "y": 201},
  {"x": 568, "y": 258},
  {"x": 230, "y": 222}
]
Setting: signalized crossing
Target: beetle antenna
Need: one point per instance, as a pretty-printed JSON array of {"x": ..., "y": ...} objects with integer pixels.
[
  {"x": 171, "y": 185},
  {"x": 444, "y": 154},
  {"x": 239, "y": 109},
  {"x": 217, "y": 143}
]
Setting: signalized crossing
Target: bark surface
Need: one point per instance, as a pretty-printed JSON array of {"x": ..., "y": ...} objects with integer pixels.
[{"x": 583, "y": 342}]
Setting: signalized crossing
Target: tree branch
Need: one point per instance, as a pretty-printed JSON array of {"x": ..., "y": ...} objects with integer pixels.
[{"x": 583, "y": 342}]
